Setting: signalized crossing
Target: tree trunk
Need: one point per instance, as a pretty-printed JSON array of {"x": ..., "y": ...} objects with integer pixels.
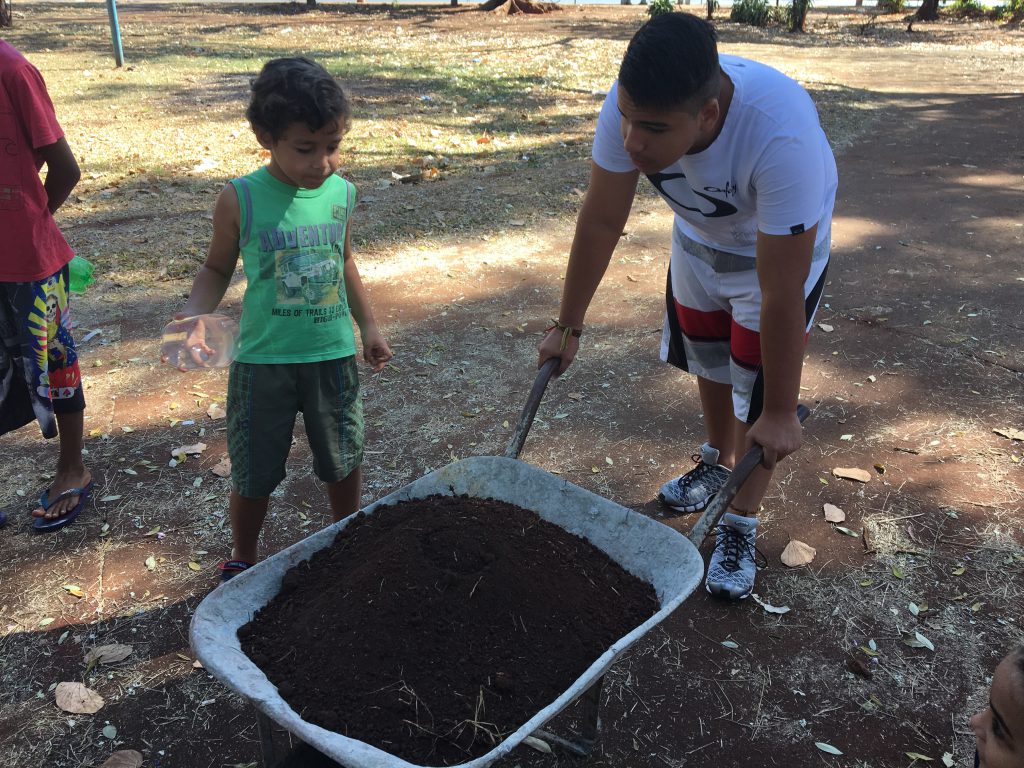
[
  {"x": 5, "y": 14},
  {"x": 712, "y": 4},
  {"x": 798, "y": 15},
  {"x": 929, "y": 10}
]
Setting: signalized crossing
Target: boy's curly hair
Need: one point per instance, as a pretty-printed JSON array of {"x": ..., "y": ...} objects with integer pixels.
[
  {"x": 296, "y": 90},
  {"x": 672, "y": 63}
]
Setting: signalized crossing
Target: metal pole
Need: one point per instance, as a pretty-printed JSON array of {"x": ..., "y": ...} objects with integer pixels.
[{"x": 115, "y": 33}]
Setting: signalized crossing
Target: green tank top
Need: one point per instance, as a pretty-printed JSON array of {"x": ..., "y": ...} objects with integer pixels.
[{"x": 292, "y": 242}]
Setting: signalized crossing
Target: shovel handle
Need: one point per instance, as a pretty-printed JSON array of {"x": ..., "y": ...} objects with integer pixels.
[
  {"x": 515, "y": 446},
  {"x": 709, "y": 519}
]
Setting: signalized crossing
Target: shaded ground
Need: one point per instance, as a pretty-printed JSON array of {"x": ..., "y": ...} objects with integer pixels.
[{"x": 922, "y": 363}]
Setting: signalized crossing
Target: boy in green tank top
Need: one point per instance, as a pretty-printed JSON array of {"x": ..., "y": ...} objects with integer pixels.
[{"x": 296, "y": 350}]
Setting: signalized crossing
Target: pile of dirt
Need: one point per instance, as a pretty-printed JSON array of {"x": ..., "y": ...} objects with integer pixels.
[{"x": 434, "y": 628}]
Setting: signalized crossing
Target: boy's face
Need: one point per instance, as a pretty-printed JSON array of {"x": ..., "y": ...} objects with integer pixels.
[
  {"x": 999, "y": 728},
  {"x": 656, "y": 138},
  {"x": 301, "y": 157}
]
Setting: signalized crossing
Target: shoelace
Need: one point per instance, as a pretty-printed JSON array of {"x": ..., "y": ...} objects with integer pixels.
[
  {"x": 735, "y": 541},
  {"x": 695, "y": 474}
]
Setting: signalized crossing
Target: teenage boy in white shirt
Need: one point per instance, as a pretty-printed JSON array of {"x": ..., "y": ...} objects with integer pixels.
[{"x": 737, "y": 151}]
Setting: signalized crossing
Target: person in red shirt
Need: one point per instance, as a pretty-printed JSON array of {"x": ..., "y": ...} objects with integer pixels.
[{"x": 39, "y": 372}]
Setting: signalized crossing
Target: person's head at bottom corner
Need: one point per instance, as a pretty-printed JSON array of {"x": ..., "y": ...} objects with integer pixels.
[{"x": 999, "y": 727}]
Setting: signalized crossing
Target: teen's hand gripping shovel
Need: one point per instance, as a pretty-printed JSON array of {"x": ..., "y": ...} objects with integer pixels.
[{"x": 709, "y": 519}]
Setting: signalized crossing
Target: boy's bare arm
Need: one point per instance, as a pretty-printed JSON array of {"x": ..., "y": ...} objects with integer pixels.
[
  {"x": 598, "y": 229},
  {"x": 214, "y": 276},
  {"x": 783, "y": 263},
  {"x": 62, "y": 173},
  {"x": 375, "y": 349}
]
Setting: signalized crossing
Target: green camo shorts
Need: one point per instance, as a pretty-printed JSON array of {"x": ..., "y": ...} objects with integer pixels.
[{"x": 263, "y": 399}]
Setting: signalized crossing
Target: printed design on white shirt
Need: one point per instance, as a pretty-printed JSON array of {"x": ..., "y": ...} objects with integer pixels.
[{"x": 675, "y": 187}]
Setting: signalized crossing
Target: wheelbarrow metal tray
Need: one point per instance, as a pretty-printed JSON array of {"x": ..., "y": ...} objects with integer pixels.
[{"x": 649, "y": 550}]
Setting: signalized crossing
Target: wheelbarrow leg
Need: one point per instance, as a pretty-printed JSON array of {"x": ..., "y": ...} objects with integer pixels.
[
  {"x": 265, "y": 727},
  {"x": 583, "y": 742},
  {"x": 275, "y": 750}
]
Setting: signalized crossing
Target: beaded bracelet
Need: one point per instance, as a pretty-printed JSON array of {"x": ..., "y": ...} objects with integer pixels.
[{"x": 567, "y": 331}]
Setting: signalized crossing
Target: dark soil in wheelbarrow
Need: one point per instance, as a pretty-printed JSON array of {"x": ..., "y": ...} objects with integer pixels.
[{"x": 435, "y": 628}]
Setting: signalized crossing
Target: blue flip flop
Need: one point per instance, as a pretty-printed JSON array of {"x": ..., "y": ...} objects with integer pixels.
[
  {"x": 42, "y": 525},
  {"x": 3, "y": 519},
  {"x": 231, "y": 568}
]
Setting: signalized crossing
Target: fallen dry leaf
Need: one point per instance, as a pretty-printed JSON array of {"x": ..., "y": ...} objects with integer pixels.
[
  {"x": 216, "y": 411},
  {"x": 108, "y": 654},
  {"x": 77, "y": 699},
  {"x": 852, "y": 473},
  {"x": 834, "y": 514},
  {"x": 539, "y": 744},
  {"x": 797, "y": 553},
  {"x": 918, "y": 641},
  {"x": 826, "y": 747},
  {"x": 858, "y": 667},
  {"x": 769, "y": 608},
  {"x": 1010, "y": 434},
  {"x": 123, "y": 758},
  {"x": 223, "y": 467},
  {"x": 194, "y": 450}
]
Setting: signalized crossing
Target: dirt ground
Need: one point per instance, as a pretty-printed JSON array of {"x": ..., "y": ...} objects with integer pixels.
[{"x": 914, "y": 374}]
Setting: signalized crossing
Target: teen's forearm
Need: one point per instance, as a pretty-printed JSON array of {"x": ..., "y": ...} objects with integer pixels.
[
  {"x": 358, "y": 300},
  {"x": 58, "y": 186},
  {"x": 783, "y": 329},
  {"x": 62, "y": 173},
  {"x": 207, "y": 291},
  {"x": 592, "y": 249}
]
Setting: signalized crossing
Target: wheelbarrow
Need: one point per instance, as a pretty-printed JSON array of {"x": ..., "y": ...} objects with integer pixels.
[{"x": 650, "y": 550}]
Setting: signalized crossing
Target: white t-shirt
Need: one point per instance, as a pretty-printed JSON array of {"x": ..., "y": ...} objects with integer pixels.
[{"x": 770, "y": 169}]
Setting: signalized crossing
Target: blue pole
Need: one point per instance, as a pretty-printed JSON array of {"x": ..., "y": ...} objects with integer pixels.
[{"x": 115, "y": 33}]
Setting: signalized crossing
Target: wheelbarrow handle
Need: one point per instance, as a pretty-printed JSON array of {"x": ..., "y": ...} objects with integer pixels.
[
  {"x": 709, "y": 519},
  {"x": 515, "y": 446}
]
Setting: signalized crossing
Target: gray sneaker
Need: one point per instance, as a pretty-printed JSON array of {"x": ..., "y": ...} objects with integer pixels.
[
  {"x": 733, "y": 565},
  {"x": 695, "y": 490}
]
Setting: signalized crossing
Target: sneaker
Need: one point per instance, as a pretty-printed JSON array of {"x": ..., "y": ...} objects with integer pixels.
[
  {"x": 695, "y": 490},
  {"x": 733, "y": 563}
]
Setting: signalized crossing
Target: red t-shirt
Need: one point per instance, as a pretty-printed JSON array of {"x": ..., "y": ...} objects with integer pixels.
[{"x": 31, "y": 245}]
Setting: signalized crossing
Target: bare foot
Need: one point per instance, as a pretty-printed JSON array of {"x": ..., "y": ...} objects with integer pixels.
[{"x": 63, "y": 482}]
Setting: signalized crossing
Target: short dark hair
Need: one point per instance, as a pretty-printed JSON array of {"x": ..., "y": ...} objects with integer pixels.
[
  {"x": 672, "y": 62},
  {"x": 296, "y": 90}
]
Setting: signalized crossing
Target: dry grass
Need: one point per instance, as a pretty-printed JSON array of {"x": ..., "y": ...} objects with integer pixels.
[{"x": 504, "y": 111}]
